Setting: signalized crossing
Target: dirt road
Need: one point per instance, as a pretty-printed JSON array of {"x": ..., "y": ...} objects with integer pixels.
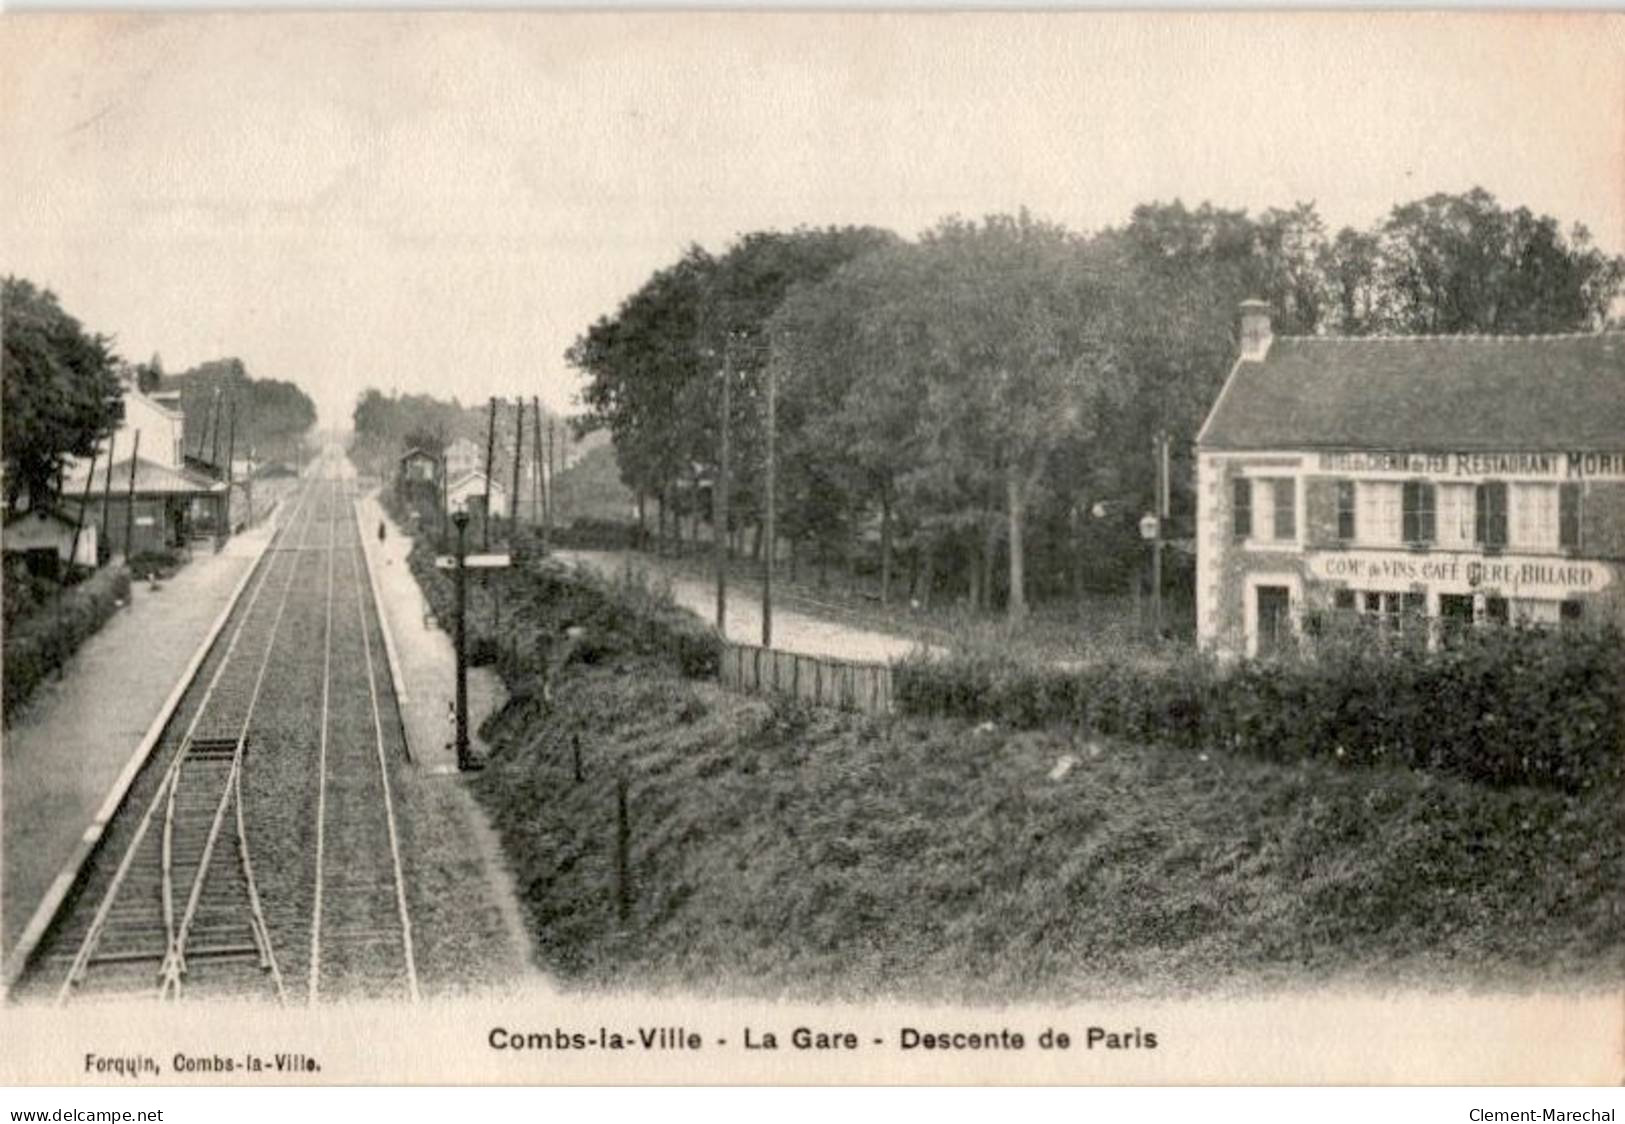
[{"x": 792, "y": 631}]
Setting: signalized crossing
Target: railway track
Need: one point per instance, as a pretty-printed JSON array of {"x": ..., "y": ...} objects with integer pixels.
[
  {"x": 173, "y": 906},
  {"x": 361, "y": 930}
]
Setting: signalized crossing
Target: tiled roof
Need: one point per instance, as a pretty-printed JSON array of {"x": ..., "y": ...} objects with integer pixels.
[
  {"x": 150, "y": 479},
  {"x": 1426, "y": 392}
]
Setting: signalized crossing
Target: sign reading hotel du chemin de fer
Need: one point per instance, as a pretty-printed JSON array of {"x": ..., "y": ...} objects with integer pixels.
[{"x": 1480, "y": 465}]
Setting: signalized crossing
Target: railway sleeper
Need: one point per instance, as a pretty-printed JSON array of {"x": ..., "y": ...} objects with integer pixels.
[
  {"x": 213, "y": 748},
  {"x": 127, "y": 956},
  {"x": 223, "y": 952}
]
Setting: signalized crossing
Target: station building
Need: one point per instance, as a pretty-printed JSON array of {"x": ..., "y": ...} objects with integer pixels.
[
  {"x": 165, "y": 499},
  {"x": 1415, "y": 484}
]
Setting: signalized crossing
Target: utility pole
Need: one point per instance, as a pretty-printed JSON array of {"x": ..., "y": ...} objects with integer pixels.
[
  {"x": 214, "y": 448},
  {"x": 84, "y": 504},
  {"x": 107, "y": 495},
  {"x": 129, "y": 500},
  {"x": 231, "y": 458},
  {"x": 518, "y": 460},
  {"x": 553, "y": 462},
  {"x": 770, "y": 531},
  {"x": 1159, "y": 445},
  {"x": 465, "y": 759},
  {"x": 719, "y": 492},
  {"x": 490, "y": 453},
  {"x": 536, "y": 461},
  {"x": 203, "y": 433}
]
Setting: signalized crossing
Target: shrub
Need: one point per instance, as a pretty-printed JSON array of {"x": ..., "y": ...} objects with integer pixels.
[
  {"x": 40, "y": 642},
  {"x": 1504, "y": 706},
  {"x": 596, "y": 534},
  {"x": 540, "y": 601},
  {"x": 156, "y": 563}
]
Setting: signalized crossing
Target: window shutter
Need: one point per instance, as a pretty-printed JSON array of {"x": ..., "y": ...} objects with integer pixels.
[{"x": 1568, "y": 515}]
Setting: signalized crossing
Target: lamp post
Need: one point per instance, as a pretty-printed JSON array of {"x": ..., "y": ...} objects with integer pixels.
[{"x": 465, "y": 760}]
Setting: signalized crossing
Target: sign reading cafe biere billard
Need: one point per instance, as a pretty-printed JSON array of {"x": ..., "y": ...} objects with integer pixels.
[{"x": 1461, "y": 572}]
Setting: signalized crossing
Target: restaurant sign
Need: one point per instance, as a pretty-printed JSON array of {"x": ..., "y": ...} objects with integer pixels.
[
  {"x": 1461, "y": 572},
  {"x": 1479, "y": 466}
]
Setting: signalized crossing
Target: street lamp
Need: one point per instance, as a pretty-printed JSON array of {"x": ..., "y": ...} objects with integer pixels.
[{"x": 465, "y": 759}]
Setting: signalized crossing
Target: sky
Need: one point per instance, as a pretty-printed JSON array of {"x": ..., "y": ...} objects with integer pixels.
[{"x": 441, "y": 203}]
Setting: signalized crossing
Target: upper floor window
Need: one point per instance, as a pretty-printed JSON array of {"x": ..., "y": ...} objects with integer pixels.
[
  {"x": 1455, "y": 516},
  {"x": 1419, "y": 515},
  {"x": 1283, "y": 509},
  {"x": 1242, "y": 507},
  {"x": 1346, "y": 524},
  {"x": 1534, "y": 516},
  {"x": 1490, "y": 514},
  {"x": 1276, "y": 501},
  {"x": 1379, "y": 512}
]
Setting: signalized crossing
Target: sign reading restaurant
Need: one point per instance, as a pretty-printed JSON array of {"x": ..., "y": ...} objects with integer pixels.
[{"x": 1540, "y": 466}]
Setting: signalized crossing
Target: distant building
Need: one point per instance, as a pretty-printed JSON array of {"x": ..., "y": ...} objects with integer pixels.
[
  {"x": 417, "y": 466},
  {"x": 52, "y": 534},
  {"x": 1419, "y": 483},
  {"x": 173, "y": 501},
  {"x": 462, "y": 457},
  {"x": 468, "y": 493}
]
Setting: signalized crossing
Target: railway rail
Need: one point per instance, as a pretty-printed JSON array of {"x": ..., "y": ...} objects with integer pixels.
[{"x": 176, "y": 904}]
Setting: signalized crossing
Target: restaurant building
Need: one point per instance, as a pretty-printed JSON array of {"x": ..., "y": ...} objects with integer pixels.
[{"x": 1416, "y": 484}]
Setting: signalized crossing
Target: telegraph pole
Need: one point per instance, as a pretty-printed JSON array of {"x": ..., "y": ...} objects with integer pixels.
[
  {"x": 553, "y": 462},
  {"x": 464, "y": 758},
  {"x": 490, "y": 452},
  {"x": 518, "y": 459},
  {"x": 1160, "y": 447},
  {"x": 214, "y": 447},
  {"x": 84, "y": 504},
  {"x": 231, "y": 457},
  {"x": 129, "y": 501},
  {"x": 719, "y": 494},
  {"x": 107, "y": 495},
  {"x": 770, "y": 531},
  {"x": 536, "y": 460}
]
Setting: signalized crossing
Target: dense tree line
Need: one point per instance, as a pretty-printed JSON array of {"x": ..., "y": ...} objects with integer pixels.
[
  {"x": 273, "y": 416},
  {"x": 387, "y": 425},
  {"x": 969, "y": 401}
]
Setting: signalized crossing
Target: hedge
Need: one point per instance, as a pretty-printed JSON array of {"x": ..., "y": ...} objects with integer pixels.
[
  {"x": 1504, "y": 706},
  {"x": 538, "y": 600},
  {"x": 39, "y": 643}
]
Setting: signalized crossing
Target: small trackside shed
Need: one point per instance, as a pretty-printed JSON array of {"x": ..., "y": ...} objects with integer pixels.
[{"x": 1416, "y": 483}]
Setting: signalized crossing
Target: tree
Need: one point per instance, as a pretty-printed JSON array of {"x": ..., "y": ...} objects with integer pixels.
[
  {"x": 851, "y": 380},
  {"x": 149, "y": 376},
  {"x": 654, "y": 368},
  {"x": 273, "y": 415},
  {"x": 1349, "y": 264},
  {"x": 1450, "y": 264},
  {"x": 639, "y": 365},
  {"x": 61, "y": 391}
]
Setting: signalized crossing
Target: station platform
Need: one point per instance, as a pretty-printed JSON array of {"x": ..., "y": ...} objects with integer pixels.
[
  {"x": 68, "y": 749},
  {"x": 425, "y": 659}
]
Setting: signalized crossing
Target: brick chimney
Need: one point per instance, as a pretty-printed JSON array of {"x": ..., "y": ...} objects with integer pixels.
[{"x": 1255, "y": 330}]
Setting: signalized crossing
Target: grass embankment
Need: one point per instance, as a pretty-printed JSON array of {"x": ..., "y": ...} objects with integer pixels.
[{"x": 781, "y": 851}]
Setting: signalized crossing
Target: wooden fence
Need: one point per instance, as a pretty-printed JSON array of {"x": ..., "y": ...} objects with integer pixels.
[{"x": 842, "y": 684}]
